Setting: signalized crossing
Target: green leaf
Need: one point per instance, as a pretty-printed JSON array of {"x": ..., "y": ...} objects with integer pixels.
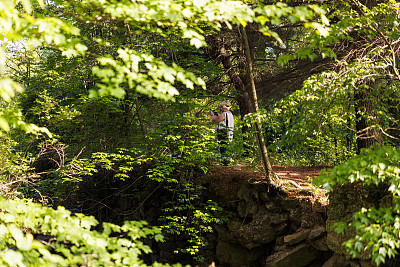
[
  {"x": 4, "y": 124},
  {"x": 13, "y": 258},
  {"x": 196, "y": 42}
]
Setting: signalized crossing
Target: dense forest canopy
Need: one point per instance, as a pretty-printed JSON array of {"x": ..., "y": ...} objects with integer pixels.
[{"x": 94, "y": 91}]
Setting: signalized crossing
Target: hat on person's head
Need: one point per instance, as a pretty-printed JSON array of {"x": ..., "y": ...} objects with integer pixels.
[{"x": 226, "y": 104}]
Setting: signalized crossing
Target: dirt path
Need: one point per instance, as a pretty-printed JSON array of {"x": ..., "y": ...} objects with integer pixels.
[
  {"x": 298, "y": 174},
  {"x": 295, "y": 181}
]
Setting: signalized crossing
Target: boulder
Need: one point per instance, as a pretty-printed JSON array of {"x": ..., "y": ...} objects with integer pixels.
[
  {"x": 299, "y": 256},
  {"x": 290, "y": 204},
  {"x": 317, "y": 232},
  {"x": 263, "y": 229},
  {"x": 256, "y": 234},
  {"x": 319, "y": 244},
  {"x": 247, "y": 209},
  {"x": 233, "y": 255},
  {"x": 296, "y": 237},
  {"x": 228, "y": 232},
  {"x": 345, "y": 201}
]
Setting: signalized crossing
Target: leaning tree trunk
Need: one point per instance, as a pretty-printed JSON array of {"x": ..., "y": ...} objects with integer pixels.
[{"x": 261, "y": 142}]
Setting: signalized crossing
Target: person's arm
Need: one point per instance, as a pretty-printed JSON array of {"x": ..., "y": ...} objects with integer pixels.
[{"x": 219, "y": 118}]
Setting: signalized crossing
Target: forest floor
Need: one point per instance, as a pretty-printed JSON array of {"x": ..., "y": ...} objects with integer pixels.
[{"x": 295, "y": 181}]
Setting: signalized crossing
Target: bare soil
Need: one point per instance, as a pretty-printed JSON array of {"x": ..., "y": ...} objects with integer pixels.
[{"x": 295, "y": 181}]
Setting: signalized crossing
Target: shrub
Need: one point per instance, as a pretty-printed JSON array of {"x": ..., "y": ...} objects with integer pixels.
[
  {"x": 35, "y": 235},
  {"x": 377, "y": 228}
]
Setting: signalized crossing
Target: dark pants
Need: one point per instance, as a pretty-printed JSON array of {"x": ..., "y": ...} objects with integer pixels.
[{"x": 223, "y": 149}]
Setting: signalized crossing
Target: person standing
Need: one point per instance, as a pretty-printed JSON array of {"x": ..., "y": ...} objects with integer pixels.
[{"x": 224, "y": 129}]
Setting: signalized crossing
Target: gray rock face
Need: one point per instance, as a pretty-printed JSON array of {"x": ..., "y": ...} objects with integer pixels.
[{"x": 282, "y": 231}]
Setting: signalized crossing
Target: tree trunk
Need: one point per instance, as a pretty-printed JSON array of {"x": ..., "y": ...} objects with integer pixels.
[
  {"x": 219, "y": 53},
  {"x": 139, "y": 115},
  {"x": 258, "y": 125},
  {"x": 364, "y": 103}
]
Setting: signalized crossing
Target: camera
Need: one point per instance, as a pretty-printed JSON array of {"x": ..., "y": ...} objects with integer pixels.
[{"x": 215, "y": 113}]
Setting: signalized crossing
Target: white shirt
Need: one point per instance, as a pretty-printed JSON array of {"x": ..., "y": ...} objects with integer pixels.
[{"x": 229, "y": 125}]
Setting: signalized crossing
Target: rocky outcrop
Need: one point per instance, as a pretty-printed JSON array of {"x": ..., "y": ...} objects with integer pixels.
[
  {"x": 344, "y": 202},
  {"x": 271, "y": 229},
  {"x": 268, "y": 227}
]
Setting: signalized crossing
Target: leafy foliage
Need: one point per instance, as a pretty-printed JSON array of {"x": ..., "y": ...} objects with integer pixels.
[
  {"x": 186, "y": 215},
  {"x": 177, "y": 158},
  {"x": 158, "y": 81},
  {"x": 124, "y": 55},
  {"x": 312, "y": 125},
  {"x": 191, "y": 220},
  {"x": 377, "y": 228},
  {"x": 321, "y": 120},
  {"x": 40, "y": 236},
  {"x": 16, "y": 24},
  {"x": 14, "y": 168}
]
